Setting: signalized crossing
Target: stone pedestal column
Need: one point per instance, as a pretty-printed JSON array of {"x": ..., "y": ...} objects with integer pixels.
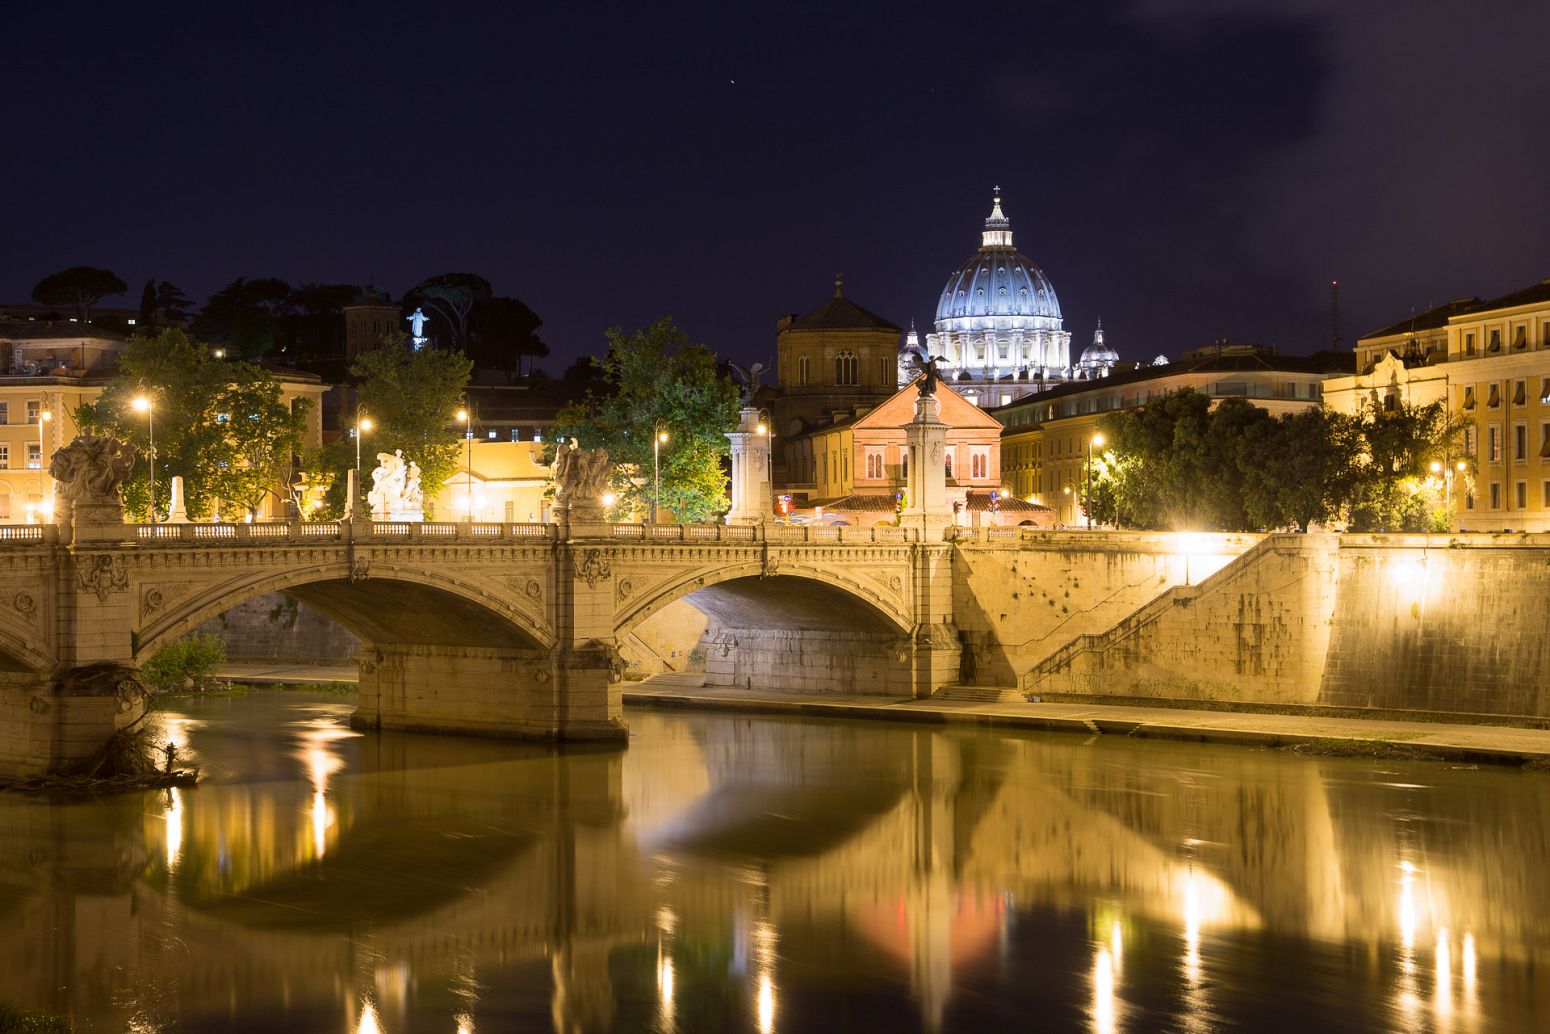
[
  {"x": 177, "y": 513},
  {"x": 929, "y": 507},
  {"x": 588, "y": 670},
  {"x": 750, "y": 470}
]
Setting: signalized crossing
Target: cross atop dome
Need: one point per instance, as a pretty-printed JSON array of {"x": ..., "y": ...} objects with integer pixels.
[{"x": 998, "y": 228}]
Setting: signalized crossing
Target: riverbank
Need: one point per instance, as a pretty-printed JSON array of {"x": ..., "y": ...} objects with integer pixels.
[{"x": 1480, "y": 744}]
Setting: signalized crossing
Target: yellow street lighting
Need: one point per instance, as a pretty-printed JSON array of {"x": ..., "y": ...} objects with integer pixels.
[
  {"x": 656, "y": 473},
  {"x": 763, "y": 430},
  {"x": 142, "y": 404},
  {"x": 468, "y": 433}
]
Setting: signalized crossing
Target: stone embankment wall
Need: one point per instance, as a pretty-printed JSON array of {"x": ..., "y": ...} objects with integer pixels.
[
  {"x": 1016, "y": 600},
  {"x": 275, "y": 628},
  {"x": 808, "y": 661},
  {"x": 1444, "y": 624}
]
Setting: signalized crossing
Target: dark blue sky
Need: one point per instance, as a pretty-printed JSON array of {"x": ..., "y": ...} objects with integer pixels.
[{"x": 1183, "y": 169}]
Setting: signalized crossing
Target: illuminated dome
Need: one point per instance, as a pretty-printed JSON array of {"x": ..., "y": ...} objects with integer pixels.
[
  {"x": 1097, "y": 358},
  {"x": 997, "y": 280},
  {"x": 998, "y": 323}
]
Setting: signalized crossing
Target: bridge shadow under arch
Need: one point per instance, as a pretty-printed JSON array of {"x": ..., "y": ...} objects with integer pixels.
[
  {"x": 403, "y": 608},
  {"x": 797, "y": 630}
]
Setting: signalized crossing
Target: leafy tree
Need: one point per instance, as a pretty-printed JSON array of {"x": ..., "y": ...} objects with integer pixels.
[
  {"x": 1300, "y": 469},
  {"x": 507, "y": 334},
  {"x": 162, "y": 304},
  {"x": 187, "y": 663},
  {"x": 244, "y": 317},
  {"x": 80, "y": 287},
  {"x": 453, "y": 297},
  {"x": 587, "y": 368},
  {"x": 314, "y": 320},
  {"x": 411, "y": 398},
  {"x": 658, "y": 382},
  {"x": 1392, "y": 490},
  {"x": 221, "y": 425}
]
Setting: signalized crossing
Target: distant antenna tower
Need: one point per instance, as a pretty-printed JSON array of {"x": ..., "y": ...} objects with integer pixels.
[{"x": 1334, "y": 314}]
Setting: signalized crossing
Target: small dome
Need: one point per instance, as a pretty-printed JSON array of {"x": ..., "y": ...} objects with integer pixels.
[
  {"x": 997, "y": 280},
  {"x": 1098, "y": 355}
]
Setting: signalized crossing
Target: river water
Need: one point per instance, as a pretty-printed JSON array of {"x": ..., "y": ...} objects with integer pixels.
[{"x": 764, "y": 874}]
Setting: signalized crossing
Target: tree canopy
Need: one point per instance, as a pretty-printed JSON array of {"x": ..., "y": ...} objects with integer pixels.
[
  {"x": 657, "y": 382},
  {"x": 80, "y": 287},
  {"x": 1182, "y": 462},
  {"x": 411, "y": 398},
  {"x": 222, "y": 425}
]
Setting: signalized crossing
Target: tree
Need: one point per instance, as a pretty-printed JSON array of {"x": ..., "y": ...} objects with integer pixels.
[
  {"x": 1298, "y": 470},
  {"x": 506, "y": 334},
  {"x": 451, "y": 296},
  {"x": 658, "y": 382},
  {"x": 1392, "y": 489},
  {"x": 244, "y": 317},
  {"x": 220, "y": 424},
  {"x": 313, "y": 323},
  {"x": 411, "y": 398},
  {"x": 162, "y": 304},
  {"x": 80, "y": 287}
]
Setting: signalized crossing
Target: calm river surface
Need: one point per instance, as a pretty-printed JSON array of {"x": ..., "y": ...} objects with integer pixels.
[{"x": 766, "y": 874}]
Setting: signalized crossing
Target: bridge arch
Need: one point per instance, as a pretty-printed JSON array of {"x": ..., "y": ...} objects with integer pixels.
[
  {"x": 787, "y": 626},
  {"x": 720, "y": 587},
  {"x": 401, "y": 605}
]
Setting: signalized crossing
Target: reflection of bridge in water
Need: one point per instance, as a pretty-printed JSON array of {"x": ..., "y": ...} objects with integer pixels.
[{"x": 722, "y": 860}]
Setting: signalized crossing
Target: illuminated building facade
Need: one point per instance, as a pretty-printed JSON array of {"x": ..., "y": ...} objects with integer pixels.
[
  {"x": 999, "y": 326},
  {"x": 1491, "y": 361}
]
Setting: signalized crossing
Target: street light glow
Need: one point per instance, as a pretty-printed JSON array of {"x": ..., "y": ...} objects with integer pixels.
[
  {"x": 141, "y": 404},
  {"x": 662, "y": 437},
  {"x": 1098, "y": 440},
  {"x": 763, "y": 430},
  {"x": 462, "y": 415},
  {"x": 365, "y": 423}
]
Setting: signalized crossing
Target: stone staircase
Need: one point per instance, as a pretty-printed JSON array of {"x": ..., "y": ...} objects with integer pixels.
[{"x": 979, "y": 694}]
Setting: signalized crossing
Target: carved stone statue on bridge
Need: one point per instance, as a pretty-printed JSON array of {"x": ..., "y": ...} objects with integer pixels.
[
  {"x": 89, "y": 474},
  {"x": 395, "y": 489},
  {"x": 580, "y": 480}
]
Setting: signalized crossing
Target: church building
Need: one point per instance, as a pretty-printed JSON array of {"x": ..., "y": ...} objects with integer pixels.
[{"x": 999, "y": 327}]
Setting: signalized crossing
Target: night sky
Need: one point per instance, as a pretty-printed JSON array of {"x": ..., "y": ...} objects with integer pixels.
[{"x": 1185, "y": 169}]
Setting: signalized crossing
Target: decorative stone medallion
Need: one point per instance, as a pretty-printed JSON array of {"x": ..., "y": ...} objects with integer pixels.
[
  {"x": 592, "y": 567},
  {"x": 105, "y": 574}
]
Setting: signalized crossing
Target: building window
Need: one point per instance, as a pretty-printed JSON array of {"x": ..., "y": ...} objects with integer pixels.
[
  {"x": 947, "y": 462},
  {"x": 1520, "y": 339},
  {"x": 874, "y": 463},
  {"x": 1493, "y": 448},
  {"x": 1521, "y": 491},
  {"x": 1544, "y": 441},
  {"x": 846, "y": 368},
  {"x": 34, "y": 456},
  {"x": 5, "y": 457},
  {"x": 1496, "y": 495},
  {"x": 1519, "y": 391},
  {"x": 34, "y": 407},
  {"x": 804, "y": 369},
  {"x": 1469, "y": 397},
  {"x": 904, "y": 465},
  {"x": 1495, "y": 400},
  {"x": 1544, "y": 391},
  {"x": 1544, "y": 494},
  {"x": 1470, "y": 440},
  {"x": 979, "y": 464},
  {"x": 1520, "y": 442},
  {"x": 884, "y": 367},
  {"x": 1495, "y": 344},
  {"x": 1469, "y": 500},
  {"x": 1469, "y": 344}
]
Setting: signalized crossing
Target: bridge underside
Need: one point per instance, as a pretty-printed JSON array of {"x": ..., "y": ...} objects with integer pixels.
[{"x": 779, "y": 633}]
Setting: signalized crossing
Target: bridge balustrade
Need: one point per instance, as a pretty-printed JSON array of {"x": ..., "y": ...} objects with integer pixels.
[{"x": 28, "y": 534}]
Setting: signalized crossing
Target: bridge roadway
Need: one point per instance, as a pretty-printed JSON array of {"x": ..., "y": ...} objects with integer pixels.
[{"x": 505, "y": 629}]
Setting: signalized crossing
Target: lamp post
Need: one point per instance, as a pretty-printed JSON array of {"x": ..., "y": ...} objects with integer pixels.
[
  {"x": 362, "y": 425},
  {"x": 656, "y": 471},
  {"x": 44, "y": 416},
  {"x": 1087, "y": 507},
  {"x": 468, "y": 473},
  {"x": 143, "y": 403}
]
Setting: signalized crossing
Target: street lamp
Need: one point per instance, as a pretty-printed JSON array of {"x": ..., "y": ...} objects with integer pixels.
[
  {"x": 1097, "y": 440},
  {"x": 362, "y": 425},
  {"x": 468, "y": 474},
  {"x": 656, "y": 470},
  {"x": 143, "y": 404}
]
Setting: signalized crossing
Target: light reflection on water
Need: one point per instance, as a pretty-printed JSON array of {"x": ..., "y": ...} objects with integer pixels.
[{"x": 773, "y": 875}]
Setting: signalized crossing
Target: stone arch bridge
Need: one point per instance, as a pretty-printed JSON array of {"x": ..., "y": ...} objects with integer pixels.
[{"x": 505, "y": 629}]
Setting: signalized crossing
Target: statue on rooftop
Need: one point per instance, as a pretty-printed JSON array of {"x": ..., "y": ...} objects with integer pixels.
[{"x": 930, "y": 376}]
